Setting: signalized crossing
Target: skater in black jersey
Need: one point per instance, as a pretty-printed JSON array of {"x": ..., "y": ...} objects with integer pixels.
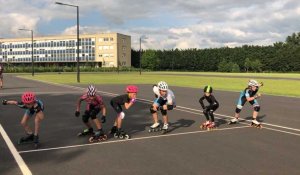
[
  {"x": 127, "y": 100},
  {"x": 208, "y": 110}
]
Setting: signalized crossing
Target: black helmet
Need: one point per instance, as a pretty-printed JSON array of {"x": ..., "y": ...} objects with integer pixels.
[{"x": 208, "y": 89}]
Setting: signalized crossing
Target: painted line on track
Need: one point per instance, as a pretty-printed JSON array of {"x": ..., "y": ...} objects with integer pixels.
[
  {"x": 185, "y": 109},
  {"x": 129, "y": 140},
  {"x": 22, "y": 165}
]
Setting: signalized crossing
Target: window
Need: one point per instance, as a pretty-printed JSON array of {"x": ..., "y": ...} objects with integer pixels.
[
  {"x": 106, "y": 39},
  {"x": 111, "y": 39}
]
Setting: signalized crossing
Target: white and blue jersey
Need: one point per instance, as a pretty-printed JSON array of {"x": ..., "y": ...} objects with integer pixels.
[{"x": 247, "y": 93}]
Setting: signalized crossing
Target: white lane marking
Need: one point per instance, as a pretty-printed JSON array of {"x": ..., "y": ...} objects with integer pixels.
[
  {"x": 36, "y": 92},
  {"x": 132, "y": 139},
  {"x": 149, "y": 101},
  {"x": 24, "y": 168}
]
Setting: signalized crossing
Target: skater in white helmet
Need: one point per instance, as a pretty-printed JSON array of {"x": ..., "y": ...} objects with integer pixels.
[
  {"x": 249, "y": 94},
  {"x": 165, "y": 100}
]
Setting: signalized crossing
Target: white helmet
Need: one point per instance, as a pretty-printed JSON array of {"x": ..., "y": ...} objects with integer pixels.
[
  {"x": 162, "y": 85},
  {"x": 252, "y": 83},
  {"x": 91, "y": 91}
]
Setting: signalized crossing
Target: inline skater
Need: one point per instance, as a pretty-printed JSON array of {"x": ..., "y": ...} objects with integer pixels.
[
  {"x": 33, "y": 107},
  {"x": 249, "y": 94},
  {"x": 208, "y": 110},
  {"x": 165, "y": 100},
  {"x": 127, "y": 100},
  {"x": 94, "y": 104},
  {"x": 1, "y": 75}
]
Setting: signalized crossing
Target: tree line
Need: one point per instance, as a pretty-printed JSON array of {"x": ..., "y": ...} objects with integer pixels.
[{"x": 279, "y": 57}]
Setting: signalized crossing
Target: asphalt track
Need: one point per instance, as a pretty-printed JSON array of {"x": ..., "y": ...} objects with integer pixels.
[{"x": 234, "y": 149}]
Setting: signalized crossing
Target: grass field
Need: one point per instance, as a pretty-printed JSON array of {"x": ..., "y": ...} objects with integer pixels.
[{"x": 283, "y": 87}]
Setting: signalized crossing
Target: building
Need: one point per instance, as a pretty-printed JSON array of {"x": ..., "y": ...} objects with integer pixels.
[{"x": 100, "y": 50}]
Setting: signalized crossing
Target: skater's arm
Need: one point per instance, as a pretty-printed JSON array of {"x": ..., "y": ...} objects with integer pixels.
[
  {"x": 9, "y": 102},
  {"x": 128, "y": 105},
  {"x": 201, "y": 102},
  {"x": 103, "y": 109}
]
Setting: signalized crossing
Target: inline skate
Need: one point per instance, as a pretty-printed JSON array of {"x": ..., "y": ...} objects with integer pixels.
[
  {"x": 86, "y": 132},
  {"x": 155, "y": 128},
  {"x": 98, "y": 137},
  {"x": 256, "y": 124},
  {"x": 233, "y": 121},
  {"x": 121, "y": 134}
]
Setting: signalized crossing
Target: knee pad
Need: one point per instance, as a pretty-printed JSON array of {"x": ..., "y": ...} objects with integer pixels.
[
  {"x": 163, "y": 112},
  {"x": 237, "y": 110},
  {"x": 211, "y": 112},
  {"x": 257, "y": 108},
  {"x": 170, "y": 107},
  {"x": 152, "y": 111},
  {"x": 122, "y": 115}
]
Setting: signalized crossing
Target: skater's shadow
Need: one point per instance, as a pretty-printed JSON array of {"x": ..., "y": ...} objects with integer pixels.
[
  {"x": 180, "y": 123},
  {"x": 221, "y": 121},
  {"x": 259, "y": 118}
]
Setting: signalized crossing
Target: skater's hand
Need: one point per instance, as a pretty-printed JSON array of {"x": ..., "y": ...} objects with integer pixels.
[
  {"x": 4, "y": 102},
  {"x": 103, "y": 119},
  {"x": 133, "y": 100},
  {"x": 261, "y": 84},
  {"x": 77, "y": 114},
  {"x": 258, "y": 95}
]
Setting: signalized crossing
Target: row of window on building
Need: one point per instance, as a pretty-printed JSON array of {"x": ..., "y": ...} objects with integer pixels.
[{"x": 69, "y": 43}]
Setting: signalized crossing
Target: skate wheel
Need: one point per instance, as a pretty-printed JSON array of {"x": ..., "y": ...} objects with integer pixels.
[
  {"x": 127, "y": 136},
  {"x": 103, "y": 138},
  {"x": 91, "y": 139},
  {"x": 121, "y": 136},
  {"x": 150, "y": 130}
]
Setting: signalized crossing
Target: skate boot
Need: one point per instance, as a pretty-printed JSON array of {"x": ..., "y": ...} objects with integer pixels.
[
  {"x": 98, "y": 136},
  {"x": 204, "y": 125},
  {"x": 233, "y": 121},
  {"x": 256, "y": 124},
  {"x": 211, "y": 126},
  {"x": 85, "y": 132},
  {"x": 165, "y": 128},
  {"x": 36, "y": 141},
  {"x": 121, "y": 134},
  {"x": 155, "y": 127},
  {"x": 113, "y": 130},
  {"x": 26, "y": 139}
]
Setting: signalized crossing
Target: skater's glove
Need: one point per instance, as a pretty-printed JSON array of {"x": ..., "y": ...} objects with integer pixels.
[
  {"x": 4, "y": 102},
  {"x": 133, "y": 100},
  {"x": 261, "y": 84},
  {"x": 77, "y": 114},
  {"x": 103, "y": 119}
]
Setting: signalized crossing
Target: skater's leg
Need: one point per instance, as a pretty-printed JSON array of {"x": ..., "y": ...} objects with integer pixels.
[
  {"x": 37, "y": 121},
  {"x": 24, "y": 123}
]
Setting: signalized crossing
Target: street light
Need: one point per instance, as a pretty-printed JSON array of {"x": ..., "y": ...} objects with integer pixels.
[
  {"x": 32, "y": 64},
  {"x": 141, "y": 37},
  {"x": 78, "y": 71}
]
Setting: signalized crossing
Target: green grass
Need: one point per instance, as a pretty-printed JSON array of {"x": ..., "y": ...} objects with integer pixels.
[{"x": 272, "y": 86}]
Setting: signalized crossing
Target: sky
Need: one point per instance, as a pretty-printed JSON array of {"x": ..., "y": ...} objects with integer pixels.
[{"x": 163, "y": 24}]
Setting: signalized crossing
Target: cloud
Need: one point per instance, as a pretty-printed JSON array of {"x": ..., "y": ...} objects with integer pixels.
[{"x": 167, "y": 24}]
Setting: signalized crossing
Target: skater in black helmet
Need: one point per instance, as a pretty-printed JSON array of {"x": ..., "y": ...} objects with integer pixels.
[
  {"x": 117, "y": 102},
  {"x": 208, "y": 110},
  {"x": 250, "y": 94},
  {"x": 94, "y": 104}
]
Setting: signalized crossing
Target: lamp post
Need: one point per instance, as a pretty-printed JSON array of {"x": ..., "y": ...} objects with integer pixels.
[
  {"x": 141, "y": 37},
  {"x": 32, "y": 62},
  {"x": 77, "y": 7}
]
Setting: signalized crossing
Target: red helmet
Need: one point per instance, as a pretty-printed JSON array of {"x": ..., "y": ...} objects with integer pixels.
[
  {"x": 28, "y": 97},
  {"x": 132, "y": 89}
]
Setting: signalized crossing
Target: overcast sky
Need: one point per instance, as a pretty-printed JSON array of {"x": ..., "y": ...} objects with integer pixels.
[{"x": 166, "y": 24}]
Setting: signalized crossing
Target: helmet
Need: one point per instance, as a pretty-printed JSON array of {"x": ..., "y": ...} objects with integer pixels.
[
  {"x": 28, "y": 97},
  {"x": 208, "y": 89},
  {"x": 132, "y": 89},
  {"x": 162, "y": 85},
  {"x": 91, "y": 91},
  {"x": 252, "y": 83}
]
